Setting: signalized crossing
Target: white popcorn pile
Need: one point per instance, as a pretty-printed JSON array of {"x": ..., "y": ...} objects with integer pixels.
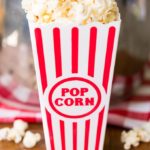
[
  {"x": 18, "y": 133},
  {"x": 31, "y": 139},
  {"x": 135, "y": 136},
  {"x": 71, "y": 11}
]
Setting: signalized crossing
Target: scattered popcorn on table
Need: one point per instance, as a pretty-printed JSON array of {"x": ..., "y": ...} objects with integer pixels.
[
  {"x": 143, "y": 134},
  {"x": 14, "y": 135},
  {"x": 74, "y": 11},
  {"x": 20, "y": 126},
  {"x": 135, "y": 136},
  {"x": 4, "y": 133},
  {"x": 18, "y": 132},
  {"x": 31, "y": 139},
  {"x": 130, "y": 139}
]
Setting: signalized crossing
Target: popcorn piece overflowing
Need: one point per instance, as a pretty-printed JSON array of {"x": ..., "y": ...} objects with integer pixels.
[
  {"x": 71, "y": 11},
  {"x": 135, "y": 136},
  {"x": 18, "y": 132},
  {"x": 31, "y": 139}
]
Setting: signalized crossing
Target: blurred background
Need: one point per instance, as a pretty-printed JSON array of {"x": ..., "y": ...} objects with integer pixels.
[
  {"x": 133, "y": 52},
  {"x": 131, "y": 84}
]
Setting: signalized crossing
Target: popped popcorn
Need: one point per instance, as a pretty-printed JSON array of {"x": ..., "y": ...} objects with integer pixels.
[
  {"x": 18, "y": 132},
  {"x": 71, "y": 11},
  {"x": 130, "y": 139},
  {"x": 31, "y": 139},
  {"x": 14, "y": 135},
  {"x": 135, "y": 136},
  {"x": 4, "y": 133},
  {"x": 20, "y": 126}
]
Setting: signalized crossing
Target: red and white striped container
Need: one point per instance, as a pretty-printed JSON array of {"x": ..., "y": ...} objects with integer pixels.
[{"x": 74, "y": 67}]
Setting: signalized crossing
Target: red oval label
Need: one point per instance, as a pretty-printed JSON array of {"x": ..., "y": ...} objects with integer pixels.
[{"x": 74, "y": 97}]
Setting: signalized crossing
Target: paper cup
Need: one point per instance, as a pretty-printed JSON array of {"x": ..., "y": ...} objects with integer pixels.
[{"x": 74, "y": 67}]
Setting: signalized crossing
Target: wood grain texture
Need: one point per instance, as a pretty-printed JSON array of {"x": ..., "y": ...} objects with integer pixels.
[{"x": 112, "y": 141}]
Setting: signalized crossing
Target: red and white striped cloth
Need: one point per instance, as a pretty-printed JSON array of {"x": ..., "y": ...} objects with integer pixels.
[
  {"x": 134, "y": 111},
  {"x": 131, "y": 113},
  {"x": 19, "y": 102}
]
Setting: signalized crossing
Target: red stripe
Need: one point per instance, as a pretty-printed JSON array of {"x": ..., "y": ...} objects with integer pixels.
[
  {"x": 87, "y": 130},
  {"x": 62, "y": 130},
  {"x": 7, "y": 120},
  {"x": 41, "y": 59},
  {"x": 57, "y": 49},
  {"x": 109, "y": 51},
  {"x": 74, "y": 136},
  {"x": 50, "y": 128},
  {"x": 146, "y": 82},
  {"x": 148, "y": 64},
  {"x": 75, "y": 42},
  {"x": 99, "y": 129},
  {"x": 92, "y": 51},
  {"x": 131, "y": 114},
  {"x": 141, "y": 98}
]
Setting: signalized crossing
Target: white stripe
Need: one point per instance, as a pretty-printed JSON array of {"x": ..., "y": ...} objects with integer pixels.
[
  {"x": 93, "y": 132},
  {"x": 48, "y": 45},
  {"x": 6, "y": 79},
  {"x": 147, "y": 73},
  {"x": 133, "y": 123},
  {"x": 22, "y": 93},
  {"x": 56, "y": 132},
  {"x": 139, "y": 107},
  {"x": 84, "y": 37},
  {"x": 125, "y": 121},
  {"x": 143, "y": 91},
  {"x": 100, "y": 54},
  {"x": 80, "y": 135},
  {"x": 66, "y": 50},
  {"x": 6, "y": 113},
  {"x": 68, "y": 135}
]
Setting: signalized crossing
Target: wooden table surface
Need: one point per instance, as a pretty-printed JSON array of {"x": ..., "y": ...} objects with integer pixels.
[{"x": 112, "y": 141}]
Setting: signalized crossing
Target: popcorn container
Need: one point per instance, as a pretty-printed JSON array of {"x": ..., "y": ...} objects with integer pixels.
[{"x": 74, "y": 68}]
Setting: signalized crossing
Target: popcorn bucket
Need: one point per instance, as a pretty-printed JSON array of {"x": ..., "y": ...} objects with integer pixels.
[{"x": 74, "y": 68}]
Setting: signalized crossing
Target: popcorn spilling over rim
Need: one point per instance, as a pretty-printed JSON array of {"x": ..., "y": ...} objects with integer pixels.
[{"x": 80, "y": 12}]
